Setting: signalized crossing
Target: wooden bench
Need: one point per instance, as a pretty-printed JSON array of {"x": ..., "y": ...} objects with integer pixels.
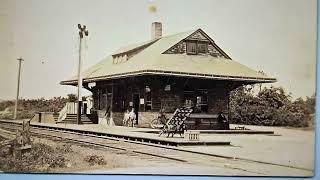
[{"x": 202, "y": 121}]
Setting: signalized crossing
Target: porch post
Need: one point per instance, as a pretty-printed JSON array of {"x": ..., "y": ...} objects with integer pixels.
[{"x": 111, "y": 105}]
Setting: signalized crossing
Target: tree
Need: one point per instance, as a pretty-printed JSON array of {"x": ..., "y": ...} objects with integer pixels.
[
  {"x": 311, "y": 104},
  {"x": 27, "y": 107},
  {"x": 72, "y": 97},
  {"x": 270, "y": 107}
]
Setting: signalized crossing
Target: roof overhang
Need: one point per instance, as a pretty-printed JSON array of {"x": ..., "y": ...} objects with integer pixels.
[{"x": 171, "y": 73}]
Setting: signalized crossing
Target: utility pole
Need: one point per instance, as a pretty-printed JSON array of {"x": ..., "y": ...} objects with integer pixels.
[
  {"x": 18, "y": 88},
  {"x": 82, "y": 32}
]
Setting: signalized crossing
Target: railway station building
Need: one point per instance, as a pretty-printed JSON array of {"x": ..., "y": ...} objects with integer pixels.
[{"x": 167, "y": 72}]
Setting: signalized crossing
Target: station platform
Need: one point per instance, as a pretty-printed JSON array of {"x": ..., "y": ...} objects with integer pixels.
[
  {"x": 231, "y": 131},
  {"x": 149, "y": 135},
  {"x": 129, "y": 133}
]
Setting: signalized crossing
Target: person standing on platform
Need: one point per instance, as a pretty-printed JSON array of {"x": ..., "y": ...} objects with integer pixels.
[{"x": 223, "y": 121}]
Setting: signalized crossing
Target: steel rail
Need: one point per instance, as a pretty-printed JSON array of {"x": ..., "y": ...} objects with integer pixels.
[{"x": 105, "y": 145}]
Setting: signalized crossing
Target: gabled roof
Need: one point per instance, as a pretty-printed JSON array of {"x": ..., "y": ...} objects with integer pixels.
[{"x": 151, "y": 59}]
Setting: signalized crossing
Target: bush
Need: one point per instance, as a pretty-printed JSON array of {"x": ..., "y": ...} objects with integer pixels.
[
  {"x": 72, "y": 97},
  {"x": 27, "y": 107},
  {"x": 40, "y": 159},
  {"x": 270, "y": 107},
  {"x": 94, "y": 160},
  {"x": 66, "y": 148}
]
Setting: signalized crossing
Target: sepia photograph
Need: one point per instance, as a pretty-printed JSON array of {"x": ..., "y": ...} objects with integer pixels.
[{"x": 158, "y": 87}]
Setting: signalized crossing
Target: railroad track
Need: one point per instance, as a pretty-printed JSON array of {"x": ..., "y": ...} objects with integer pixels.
[{"x": 157, "y": 151}]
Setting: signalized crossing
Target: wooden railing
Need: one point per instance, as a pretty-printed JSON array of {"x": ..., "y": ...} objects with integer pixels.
[
  {"x": 69, "y": 108},
  {"x": 72, "y": 108},
  {"x": 63, "y": 113}
]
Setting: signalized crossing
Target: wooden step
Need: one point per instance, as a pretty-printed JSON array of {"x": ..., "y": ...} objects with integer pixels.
[{"x": 72, "y": 119}]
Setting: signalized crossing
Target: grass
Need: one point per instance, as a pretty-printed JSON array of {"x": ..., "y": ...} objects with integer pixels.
[{"x": 41, "y": 158}]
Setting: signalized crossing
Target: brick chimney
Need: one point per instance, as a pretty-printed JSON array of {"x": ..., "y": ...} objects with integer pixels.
[{"x": 156, "y": 30}]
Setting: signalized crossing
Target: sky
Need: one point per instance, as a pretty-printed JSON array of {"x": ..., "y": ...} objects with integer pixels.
[{"x": 278, "y": 37}]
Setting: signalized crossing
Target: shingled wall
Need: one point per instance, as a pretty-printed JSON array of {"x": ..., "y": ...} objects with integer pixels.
[{"x": 217, "y": 92}]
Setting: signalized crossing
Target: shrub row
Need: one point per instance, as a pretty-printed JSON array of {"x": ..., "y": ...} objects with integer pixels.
[{"x": 270, "y": 107}]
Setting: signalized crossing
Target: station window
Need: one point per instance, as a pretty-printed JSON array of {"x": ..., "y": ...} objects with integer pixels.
[
  {"x": 202, "y": 100},
  {"x": 188, "y": 98},
  {"x": 148, "y": 103},
  {"x": 192, "y": 48},
  {"x": 202, "y": 48},
  {"x": 196, "y": 47}
]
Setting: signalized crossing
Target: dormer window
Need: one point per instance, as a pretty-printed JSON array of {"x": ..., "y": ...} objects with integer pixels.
[
  {"x": 192, "y": 48},
  {"x": 196, "y": 47},
  {"x": 202, "y": 47}
]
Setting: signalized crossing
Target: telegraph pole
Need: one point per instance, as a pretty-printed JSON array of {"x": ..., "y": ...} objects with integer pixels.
[
  {"x": 18, "y": 88},
  {"x": 82, "y": 32}
]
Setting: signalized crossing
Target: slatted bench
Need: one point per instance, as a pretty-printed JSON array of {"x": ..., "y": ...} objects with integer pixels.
[{"x": 203, "y": 121}]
